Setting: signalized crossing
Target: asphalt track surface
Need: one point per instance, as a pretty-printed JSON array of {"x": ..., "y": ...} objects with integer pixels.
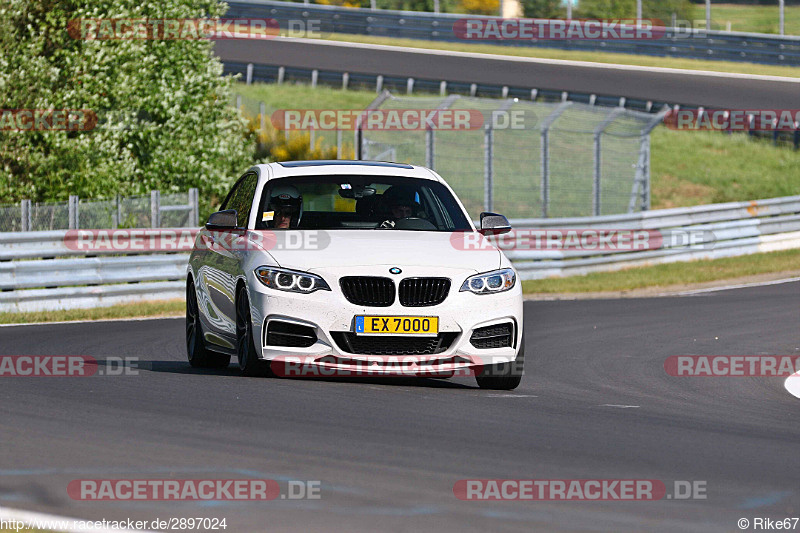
[
  {"x": 675, "y": 87},
  {"x": 388, "y": 452}
]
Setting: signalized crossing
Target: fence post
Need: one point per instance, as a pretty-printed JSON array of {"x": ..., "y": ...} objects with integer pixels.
[
  {"x": 72, "y": 208},
  {"x": 338, "y": 144},
  {"x": 357, "y": 140},
  {"x": 545, "y": 154},
  {"x": 597, "y": 159},
  {"x": 281, "y": 74},
  {"x": 488, "y": 167},
  {"x": 155, "y": 209},
  {"x": 119, "y": 210},
  {"x": 314, "y": 77},
  {"x": 115, "y": 215},
  {"x": 596, "y": 173},
  {"x": 194, "y": 210},
  {"x": 262, "y": 111},
  {"x": 430, "y": 154},
  {"x": 249, "y": 77},
  {"x": 25, "y": 207}
]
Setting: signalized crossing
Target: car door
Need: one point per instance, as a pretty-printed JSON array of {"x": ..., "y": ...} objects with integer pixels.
[{"x": 222, "y": 266}]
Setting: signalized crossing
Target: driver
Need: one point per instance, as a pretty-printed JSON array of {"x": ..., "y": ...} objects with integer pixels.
[
  {"x": 401, "y": 202},
  {"x": 286, "y": 206}
]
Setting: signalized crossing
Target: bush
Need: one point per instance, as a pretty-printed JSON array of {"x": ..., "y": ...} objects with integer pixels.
[
  {"x": 654, "y": 9},
  {"x": 543, "y": 9},
  {"x": 186, "y": 134}
]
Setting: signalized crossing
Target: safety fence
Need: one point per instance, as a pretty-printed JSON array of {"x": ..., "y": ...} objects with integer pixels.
[
  {"x": 676, "y": 42},
  {"x": 48, "y": 270},
  {"x": 153, "y": 211},
  {"x": 556, "y": 160}
]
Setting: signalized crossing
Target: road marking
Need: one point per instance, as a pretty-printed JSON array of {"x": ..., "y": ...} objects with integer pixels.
[
  {"x": 511, "y": 396},
  {"x": 619, "y": 406},
  {"x": 731, "y": 287},
  {"x": 135, "y": 319},
  {"x": 52, "y": 521},
  {"x": 543, "y": 61},
  {"x": 792, "y": 384}
]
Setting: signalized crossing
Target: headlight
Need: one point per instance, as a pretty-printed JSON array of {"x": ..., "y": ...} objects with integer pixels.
[
  {"x": 290, "y": 280},
  {"x": 490, "y": 282}
]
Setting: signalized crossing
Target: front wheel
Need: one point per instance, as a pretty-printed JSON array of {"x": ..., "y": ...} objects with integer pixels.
[
  {"x": 504, "y": 376},
  {"x": 249, "y": 363},
  {"x": 199, "y": 355}
]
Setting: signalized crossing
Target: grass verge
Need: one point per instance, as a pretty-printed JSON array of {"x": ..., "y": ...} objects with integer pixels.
[
  {"x": 670, "y": 274},
  {"x": 140, "y": 309},
  {"x": 576, "y": 55}
]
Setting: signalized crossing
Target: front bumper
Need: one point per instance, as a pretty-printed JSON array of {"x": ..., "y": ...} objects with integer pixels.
[{"x": 329, "y": 314}]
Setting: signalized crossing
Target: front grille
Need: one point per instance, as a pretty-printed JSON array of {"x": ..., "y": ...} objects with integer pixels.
[
  {"x": 368, "y": 290},
  {"x": 499, "y": 336},
  {"x": 421, "y": 292},
  {"x": 349, "y": 342},
  {"x": 288, "y": 334}
]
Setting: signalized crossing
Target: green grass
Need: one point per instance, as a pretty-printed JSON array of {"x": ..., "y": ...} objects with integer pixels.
[
  {"x": 752, "y": 18},
  {"x": 693, "y": 167},
  {"x": 575, "y": 55},
  {"x": 670, "y": 274},
  {"x": 148, "y": 309}
]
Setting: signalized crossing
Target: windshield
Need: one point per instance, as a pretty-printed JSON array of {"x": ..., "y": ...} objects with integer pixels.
[{"x": 359, "y": 202}]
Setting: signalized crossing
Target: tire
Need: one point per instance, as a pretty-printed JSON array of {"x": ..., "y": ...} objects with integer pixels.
[
  {"x": 505, "y": 376},
  {"x": 249, "y": 363},
  {"x": 199, "y": 355}
]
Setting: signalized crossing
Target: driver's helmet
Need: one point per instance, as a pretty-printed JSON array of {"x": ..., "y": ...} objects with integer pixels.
[
  {"x": 286, "y": 199},
  {"x": 398, "y": 198}
]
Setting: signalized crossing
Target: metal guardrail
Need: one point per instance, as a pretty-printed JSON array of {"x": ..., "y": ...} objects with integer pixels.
[
  {"x": 728, "y": 229},
  {"x": 684, "y": 43},
  {"x": 42, "y": 270}
]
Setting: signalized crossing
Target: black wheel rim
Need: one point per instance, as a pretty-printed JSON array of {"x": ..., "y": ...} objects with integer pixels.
[
  {"x": 192, "y": 319},
  {"x": 243, "y": 330}
]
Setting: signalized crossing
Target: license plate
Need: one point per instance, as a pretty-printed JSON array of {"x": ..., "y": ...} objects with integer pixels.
[{"x": 397, "y": 325}]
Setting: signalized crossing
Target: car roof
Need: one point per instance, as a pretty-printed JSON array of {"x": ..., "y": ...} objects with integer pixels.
[{"x": 345, "y": 167}]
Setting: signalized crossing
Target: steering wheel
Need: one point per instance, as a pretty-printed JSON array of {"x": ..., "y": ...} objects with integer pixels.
[{"x": 414, "y": 223}]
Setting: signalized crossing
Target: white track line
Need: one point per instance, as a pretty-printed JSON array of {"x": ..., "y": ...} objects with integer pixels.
[
  {"x": 792, "y": 384},
  {"x": 135, "y": 319},
  {"x": 731, "y": 287},
  {"x": 50, "y": 522},
  {"x": 542, "y": 61}
]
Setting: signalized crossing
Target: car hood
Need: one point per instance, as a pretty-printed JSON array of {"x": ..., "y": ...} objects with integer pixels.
[{"x": 343, "y": 248}]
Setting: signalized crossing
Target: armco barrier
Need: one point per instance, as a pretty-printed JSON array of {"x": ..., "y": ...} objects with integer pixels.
[
  {"x": 40, "y": 270},
  {"x": 696, "y": 44}
]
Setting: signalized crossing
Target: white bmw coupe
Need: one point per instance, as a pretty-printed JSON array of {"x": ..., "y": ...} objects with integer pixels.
[{"x": 355, "y": 267}]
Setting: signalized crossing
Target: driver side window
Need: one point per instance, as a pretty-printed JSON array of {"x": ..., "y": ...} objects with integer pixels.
[{"x": 241, "y": 198}]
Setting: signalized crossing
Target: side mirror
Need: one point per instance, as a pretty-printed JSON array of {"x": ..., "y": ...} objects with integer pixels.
[
  {"x": 222, "y": 220},
  {"x": 494, "y": 224}
]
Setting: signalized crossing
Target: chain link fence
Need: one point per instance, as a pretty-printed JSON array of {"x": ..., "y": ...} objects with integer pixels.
[
  {"x": 528, "y": 159},
  {"x": 171, "y": 210}
]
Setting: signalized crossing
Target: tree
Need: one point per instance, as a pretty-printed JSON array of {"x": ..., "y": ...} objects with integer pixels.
[
  {"x": 172, "y": 126},
  {"x": 542, "y": 9}
]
